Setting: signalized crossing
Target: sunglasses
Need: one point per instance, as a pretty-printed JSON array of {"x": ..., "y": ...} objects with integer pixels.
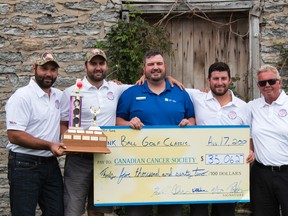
[{"x": 270, "y": 81}]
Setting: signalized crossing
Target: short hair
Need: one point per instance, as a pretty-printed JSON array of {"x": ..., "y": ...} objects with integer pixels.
[
  {"x": 267, "y": 67},
  {"x": 219, "y": 66},
  {"x": 151, "y": 53}
]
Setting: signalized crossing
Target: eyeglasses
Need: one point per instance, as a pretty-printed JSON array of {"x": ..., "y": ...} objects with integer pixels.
[{"x": 270, "y": 81}]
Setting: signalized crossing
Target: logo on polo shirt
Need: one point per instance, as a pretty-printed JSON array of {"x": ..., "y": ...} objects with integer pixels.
[
  {"x": 282, "y": 112},
  {"x": 57, "y": 104},
  {"x": 12, "y": 123},
  {"x": 232, "y": 114},
  {"x": 169, "y": 100},
  {"x": 110, "y": 95},
  {"x": 141, "y": 98}
]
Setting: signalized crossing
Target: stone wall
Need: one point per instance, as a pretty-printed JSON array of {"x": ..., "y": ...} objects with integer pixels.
[
  {"x": 274, "y": 33},
  {"x": 27, "y": 28},
  {"x": 69, "y": 28}
]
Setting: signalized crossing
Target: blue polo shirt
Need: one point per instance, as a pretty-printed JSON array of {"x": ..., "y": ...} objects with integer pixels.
[{"x": 167, "y": 108}]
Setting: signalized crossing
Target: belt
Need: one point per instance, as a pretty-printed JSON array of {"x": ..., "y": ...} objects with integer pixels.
[
  {"x": 281, "y": 168},
  {"x": 39, "y": 159},
  {"x": 89, "y": 156}
]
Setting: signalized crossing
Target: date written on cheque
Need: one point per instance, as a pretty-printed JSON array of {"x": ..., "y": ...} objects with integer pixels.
[
  {"x": 211, "y": 159},
  {"x": 226, "y": 141}
]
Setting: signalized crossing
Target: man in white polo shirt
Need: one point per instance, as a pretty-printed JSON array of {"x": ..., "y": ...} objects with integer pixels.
[
  {"x": 269, "y": 123},
  {"x": 98, "y": 93},
  {"x": 33, "y": 129},
  {"x": 218, "y": 107}
]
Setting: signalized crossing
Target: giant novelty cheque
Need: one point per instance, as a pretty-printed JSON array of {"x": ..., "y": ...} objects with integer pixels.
[{"x": 173, "y": 165}]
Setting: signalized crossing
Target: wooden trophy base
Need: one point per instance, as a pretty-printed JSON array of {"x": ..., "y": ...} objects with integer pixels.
[{"x": 92, "y": 140}]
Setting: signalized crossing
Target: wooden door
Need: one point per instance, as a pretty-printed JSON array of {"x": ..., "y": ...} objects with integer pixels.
[{"x": 199, "y": 42}]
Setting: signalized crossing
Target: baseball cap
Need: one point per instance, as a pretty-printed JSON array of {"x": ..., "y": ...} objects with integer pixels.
[
  {"x": 47, "y": 57},
  {"x": 95, "y": 52}
]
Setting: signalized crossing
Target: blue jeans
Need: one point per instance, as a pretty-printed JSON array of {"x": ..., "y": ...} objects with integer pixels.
[{"x": 35, "y": 180}]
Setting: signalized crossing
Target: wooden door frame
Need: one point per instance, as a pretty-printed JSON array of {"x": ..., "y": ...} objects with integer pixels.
[{"x": 179, "y": 6}]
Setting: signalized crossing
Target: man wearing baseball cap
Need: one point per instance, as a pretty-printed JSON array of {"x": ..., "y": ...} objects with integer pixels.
[
  {"x": 45, "y": 58},
  {"x": 95, "y": 52},
  {"x": 32, "y": 120},
  {"x": 101, "y": 94}
]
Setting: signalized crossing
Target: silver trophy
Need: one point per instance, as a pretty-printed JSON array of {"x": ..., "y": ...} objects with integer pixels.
[{"x": 94, "y": 111}]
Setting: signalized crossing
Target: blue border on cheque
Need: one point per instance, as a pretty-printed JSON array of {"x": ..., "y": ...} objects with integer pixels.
[{"x": 186, "y": 127}]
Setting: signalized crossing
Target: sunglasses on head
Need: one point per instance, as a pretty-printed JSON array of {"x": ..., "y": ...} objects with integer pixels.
[{"x": 270, "y": 81}]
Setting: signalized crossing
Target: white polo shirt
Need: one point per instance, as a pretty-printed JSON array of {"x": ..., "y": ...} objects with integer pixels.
[
  {"x": 208, "y": 111},
  {"x": 31, "y": 110},
  {"x": 269, "y": 130},
  {"x": 106, "y": 97}
]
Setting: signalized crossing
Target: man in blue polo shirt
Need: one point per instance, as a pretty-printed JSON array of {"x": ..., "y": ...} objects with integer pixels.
[{"x": 154, "y": 103}]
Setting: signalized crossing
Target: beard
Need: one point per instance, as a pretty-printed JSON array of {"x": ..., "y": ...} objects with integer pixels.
[
  {"x": 149, "y": 76},
  {"x": 93, "y": 76},
  {"x": 44, "y": 82},
  {"x": 221, "y": 93}
]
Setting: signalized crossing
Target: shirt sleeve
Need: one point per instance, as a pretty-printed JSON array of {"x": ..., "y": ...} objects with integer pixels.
[
  {"x": 193, "y": 93},
  {"x": 123, "y": 107},
  {"x": 248, "y": 117},
  {"x": 189, "y": 108},
  {"x": 17, "y": 113},
  {"x": 124, "y": 87},
  {"x": 65, "y": 105}
]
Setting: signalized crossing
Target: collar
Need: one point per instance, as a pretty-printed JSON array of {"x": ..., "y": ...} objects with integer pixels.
[
  {"x": 37, "y": 89},
  {"x": 147, "y": 89},
  {"x": 88, "y": 85},
  {"x": 210, "y": 96},
  {"x": 280, "y": 100}
]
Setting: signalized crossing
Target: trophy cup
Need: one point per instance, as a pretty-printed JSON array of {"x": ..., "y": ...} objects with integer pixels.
[
  {"x": 76, "y": 138},
  {"x": 94, "y": 111}
]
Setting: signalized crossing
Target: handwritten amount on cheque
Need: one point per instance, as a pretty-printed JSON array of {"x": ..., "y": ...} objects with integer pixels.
[
  {"x": 176, "y": 189},
  {"x": 141, "y": 173}
]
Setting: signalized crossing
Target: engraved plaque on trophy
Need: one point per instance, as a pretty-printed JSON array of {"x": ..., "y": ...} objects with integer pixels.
[{"x": 76, "y": 138}]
